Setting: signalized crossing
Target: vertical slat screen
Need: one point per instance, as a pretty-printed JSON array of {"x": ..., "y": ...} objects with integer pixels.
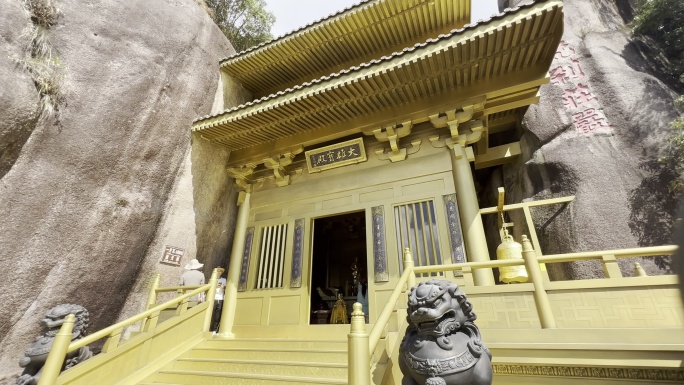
[
  {"x": 272, "y": 257},
  {"x": 416, "y": 227}
]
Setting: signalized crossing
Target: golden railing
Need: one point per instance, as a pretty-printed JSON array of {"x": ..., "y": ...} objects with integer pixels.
[
  {"x": 362, "y": 345},
  {"x": 63, "y": 344}
]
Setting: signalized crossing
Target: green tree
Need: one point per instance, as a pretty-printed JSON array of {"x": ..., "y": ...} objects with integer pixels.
[
  {"x": 245, "y": 23},
  {"x": 663, "y": 21},
  {"x": 674, "y": 151}
]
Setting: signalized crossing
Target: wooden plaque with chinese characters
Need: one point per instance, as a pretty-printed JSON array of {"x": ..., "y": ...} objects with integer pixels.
[{"x": 336, "y": 155}]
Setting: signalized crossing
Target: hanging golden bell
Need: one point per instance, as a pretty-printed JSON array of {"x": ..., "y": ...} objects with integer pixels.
[{"x": 510, "y": 249}]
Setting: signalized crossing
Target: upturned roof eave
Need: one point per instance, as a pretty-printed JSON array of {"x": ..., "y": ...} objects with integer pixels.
[
  {"x": 318, "y": 85},
  {"x": 342, "y": 40},
  {"x": 289, "y": 35}
]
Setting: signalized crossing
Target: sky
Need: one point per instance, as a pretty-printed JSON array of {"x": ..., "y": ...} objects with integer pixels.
[{"x": 292, "y": 14}]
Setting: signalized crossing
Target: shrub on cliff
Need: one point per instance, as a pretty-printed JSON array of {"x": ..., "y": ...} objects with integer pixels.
[
  {"x": 245, "y": 23},
  {"x": 674, "y": 157},
  {"x": 663, "y": 21}
]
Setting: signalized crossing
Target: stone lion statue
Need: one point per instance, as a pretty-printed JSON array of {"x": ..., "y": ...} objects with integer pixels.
[
  {"x": 442, "y": 345},
  {"x": 37, "y": 353}
]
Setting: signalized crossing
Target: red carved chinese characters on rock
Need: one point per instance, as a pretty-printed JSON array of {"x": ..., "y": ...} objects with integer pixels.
[{"x": 579, "y": 100}]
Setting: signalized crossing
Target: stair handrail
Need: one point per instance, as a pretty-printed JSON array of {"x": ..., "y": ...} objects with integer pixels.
[
  {"x": 130, "y": 321},
  {"x": 359, "y": 365},
  {"x": 465, "y": 265},
  {"x": 60, "y": 349},
  {"x": 176, "y": 288},
  {"x": 408, "y": 277},
  {"x": 649, "y": 251}
]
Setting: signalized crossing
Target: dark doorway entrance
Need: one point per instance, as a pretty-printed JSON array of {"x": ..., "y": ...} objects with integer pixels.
[{"x": 338, "y": 265}]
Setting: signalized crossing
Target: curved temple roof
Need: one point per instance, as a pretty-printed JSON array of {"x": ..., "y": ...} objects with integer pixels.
[
  {"x": 512, "y": 51},
  {"x": 367, "y": 30}
]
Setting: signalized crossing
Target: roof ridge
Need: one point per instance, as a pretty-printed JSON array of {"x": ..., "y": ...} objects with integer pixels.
[{"x": 372, "y": 62}]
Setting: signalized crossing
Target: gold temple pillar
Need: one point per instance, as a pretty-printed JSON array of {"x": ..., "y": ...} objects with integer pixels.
[
  {"x": 230, "y": 298},
  {"x": 471, "y": 221}
]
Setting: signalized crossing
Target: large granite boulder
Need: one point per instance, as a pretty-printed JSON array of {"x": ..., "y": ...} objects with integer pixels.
[
  {"x": 597, "y": 134},
  {"x": 18, "y": 96},
  {"x": 83, "y": 196}
]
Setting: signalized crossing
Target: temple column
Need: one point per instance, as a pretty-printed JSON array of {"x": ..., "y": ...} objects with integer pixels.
[
  {"x": 230, "y": 299},
  {"x": 469, "y": 210}
]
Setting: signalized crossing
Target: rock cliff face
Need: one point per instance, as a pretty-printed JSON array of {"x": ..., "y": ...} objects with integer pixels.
[
  {"x": 597, "y": 134},
  {"x": 19, "y": 98},
  {"x": 82, "y": 197}
]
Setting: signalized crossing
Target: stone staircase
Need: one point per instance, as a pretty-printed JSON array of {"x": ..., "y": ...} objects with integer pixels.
[
  {"x": 257, "y": 361},
  {"x": 282, "y": 361}
]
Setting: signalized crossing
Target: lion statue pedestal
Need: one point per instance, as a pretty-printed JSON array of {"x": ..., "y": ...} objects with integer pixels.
[
  {"x": 442, "y": 345},
  {"x": 37, "y": 353}
]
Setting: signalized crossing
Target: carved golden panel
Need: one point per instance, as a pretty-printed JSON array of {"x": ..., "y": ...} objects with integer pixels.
[
  {"x": 617, "y": 308},
  {"x": 590, "y": 372},
  {"x": 505, "y": 311}
]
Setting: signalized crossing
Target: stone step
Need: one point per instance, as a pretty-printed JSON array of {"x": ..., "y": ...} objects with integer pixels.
[
  {"x": 298, "y": 369},
  {"x": 270, "y": 354},
  {"x": 166, "y": 315},
  {"x": 146, "y": 382},
  {"x": 275, "y": 343},
  {"x": 190, "y": 377}
]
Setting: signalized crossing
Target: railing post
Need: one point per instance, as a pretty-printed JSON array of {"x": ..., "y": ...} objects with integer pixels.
[
  {"x": 408, "y": 265},
  {"x": 152, "y": 296},
  {"x": 468, "y": 276},
  {"x": 151, "y": 322},
  {"x": 183, "y": 306},
  {"x": 112, "y": 341},
  {"x": 55, "y": 360},
  {"x": 210, "y": 300},
  {"x": 541, "y": 298},
  {"x": 610, "y": 267},
  {"x": 639, "y": 271},
  {"x": 358, "y": 352},
  {"x": 535, "y": 240}
]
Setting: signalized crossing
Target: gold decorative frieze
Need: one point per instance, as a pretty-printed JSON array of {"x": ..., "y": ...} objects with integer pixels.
[
  {"x": 336, "y": 155},
  {"x": 591, "y": 372}
]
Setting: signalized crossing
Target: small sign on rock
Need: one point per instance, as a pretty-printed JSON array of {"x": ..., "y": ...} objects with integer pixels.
[{"x": 172, "y": 255}]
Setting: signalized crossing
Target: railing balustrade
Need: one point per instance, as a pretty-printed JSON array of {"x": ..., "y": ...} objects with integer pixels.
[
  {"x": 359, "y": 370},
  {"x": 63, "y": 344},
  {"x": 362, "y": 345}
]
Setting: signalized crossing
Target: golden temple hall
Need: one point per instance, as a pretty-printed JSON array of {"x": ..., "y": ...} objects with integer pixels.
[{"x": 355, "y": 143}]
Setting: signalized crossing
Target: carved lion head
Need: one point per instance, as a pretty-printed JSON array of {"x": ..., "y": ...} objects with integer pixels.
[
  {"x": 437, "y": 307},
  {"x": 55, "y": 317}
]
